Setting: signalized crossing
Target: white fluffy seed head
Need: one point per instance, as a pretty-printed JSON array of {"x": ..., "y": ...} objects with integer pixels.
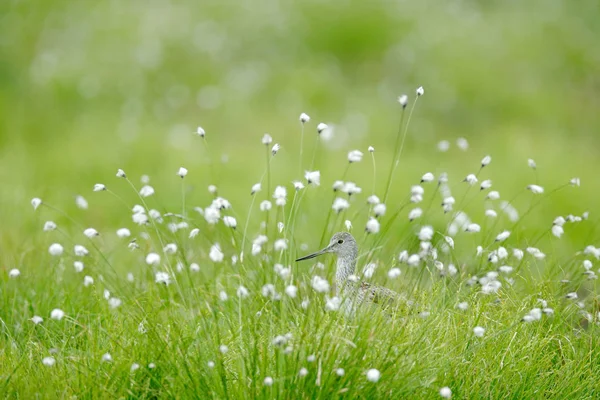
[
  {"x": 428, "y": 177},
  {"x": 304, "y": 118},
  {"x": 355, "y": 156},
  {"x": 403, "y": 100},
  {"x": 373, "y": 375},
  {"x": 267, "y": 139},
  {"x": 182, "y": 172},
  {"x": 531, "y": 163},
  {"x": 98, "y": 187},
  {"x": 321, "y": 127},
  {"x": 486, "y": 161},
  {"x": 420, "y": 91},
  {"x": 479, "y": 331},
  {"x": 200, "y": 132},
  {"x": 446, "y": 392}
]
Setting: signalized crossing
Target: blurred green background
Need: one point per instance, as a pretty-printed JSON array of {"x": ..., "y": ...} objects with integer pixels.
[{"x": 89, "y": 87}]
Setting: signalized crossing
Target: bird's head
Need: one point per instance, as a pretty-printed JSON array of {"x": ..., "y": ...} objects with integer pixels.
[{"x": 342, "y": 243}]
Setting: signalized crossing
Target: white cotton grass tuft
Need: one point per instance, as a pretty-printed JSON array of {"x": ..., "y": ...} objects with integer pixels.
[
  {"x": 49, "y": 226},
  {"x": 298, "y": 185},
  {"x": 373, "y": 375},
  {"x": 182, "y": 172},
  {"x": 502, "y": 236},
  {"x": 313, "y": 177},
  {"x": 446, "y": 392},
  {"x": 57, "y": 314},
  {"x": 355, "y": 156},
  {"x": 372, "y": 226},
  {"x": 276, "y": 147},
  {"x": 379, "y": 210},
  {"x": 340, "y": 204},
  {"x": 88, "y": 281},
  {"x": 121, "y": 173},
  {"x": 479, "y": 331},
  {"x": 107, "y": 358},
  {"x": 348, "y": 225},
  {"x": 123, "y": 233},
  {"x": 152, "y": 259},
  {"x": 36, "y": 319},
  {"x": 304, "y": 118},
  {"x": 486, "y": 161},
  {"x": 535, "y": 189},
  {"x": 81, "y": 202},
  {"x": 162, "y": 278},
  {"x": 146, "y": 191},
  {"x": 420, "y": 91},
  {"x": 267, "y": 139},
  {"x": 322, "y": 127},
  {"x": 49, "y": 361},
  {"x": 428, "y": 177},
  {"x": 229, "y": 221},
  {"x": 215, "y": 254},
  {"x": 242, "y": 292},
  {"x": 371, "y": 149},
  {"x": 200, "y": 132},
  {"x": 268, "y": 381},
  {"x": 403, "y": 100},
  {"x": 319, "y": 284},
  {"x": 91, "y": 232},
  {"x": 531, "y": 163},
  {"x": 14, "y": 273},
  {"x": 36, "y": 202},
  {"x": 575, "y": 182},
  {"x": 99, "y": 187},
  {"x": 55, "y": 249}
]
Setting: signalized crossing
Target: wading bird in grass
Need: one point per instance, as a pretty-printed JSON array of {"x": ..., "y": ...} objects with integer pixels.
[{"x": 348, "y": 287}]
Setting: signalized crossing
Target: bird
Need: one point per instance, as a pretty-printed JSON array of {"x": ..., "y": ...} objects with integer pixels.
[{"x": 353, "y": 292}]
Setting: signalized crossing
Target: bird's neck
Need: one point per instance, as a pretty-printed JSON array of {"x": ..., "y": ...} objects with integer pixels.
[{"x": 344, "y": 269}]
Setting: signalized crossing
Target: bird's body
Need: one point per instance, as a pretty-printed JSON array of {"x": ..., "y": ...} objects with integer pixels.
[{"x": 353, "y": 292}]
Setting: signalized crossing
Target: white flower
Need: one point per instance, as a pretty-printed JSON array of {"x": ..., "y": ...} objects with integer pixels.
[
  {"x": 369, "y": 270},
  {"x": 57, "y": 314},
  {"x": 200, "y": 132},
  {"x": 230, "y": 222},
  {"x": 140, "y": 218},
  {"x": 394, "y": 273},
  {"x": 78, "y": 265},
  {"x": 182, "y": 172},
  {"x": 531, "y": 163},
  {"x": 106, "y": 357},
  {"x": 49, "y": 226},
  {"x": 426, "y": 233},
  {"x": 505, "y": 269},
  {"x": 98, "y": 187},
  {"x": 152, "y": 259},
  {"x": 298, "y": 185},
  {"x": 212, "y": 215},
  {"x": 491, "y": 213},
  {"x": 321, "y": 127},
  {"x": 87, "y": 281},
  {"x": 413, "y": 260},
  {"x": 372, "y": 199},
  {"x": 486, "y": 184},
  {"x": 170, "y": 248},
  {"x": 502, "y": 236},
  {"x": 572, "y": 296},
  {"x": 90, "y": 232},
  {"x": 491, "y": 286},
  {"x": 355, "y": 156},
  {"x": 373, "y": 375},
  {"x": 280, "y": 195},
  {"x": 371, "y": 149},
  {"x": 162, "y": 277},
  {"x": 319, "y": 284},
  {"x": 462, "y": 306},
  {"x": 403, "y": 100},
  {"x": 414, "y": 214},
  {"x": 291, "y": 291},
  {"x": 557, "y": 230},
  {"x": 518, "y": 254},
  {"x": 340, "y": 372},
  {"x": 35, "y": 202},
  {"x": 372, "y": 225},
  {"x": 575, "y": 182},
  {"x": 486, "y": 161},
  {"x": 333, "y": 304},
  {"x": 146, "y": 191},
  {"x": 242, "y": 292},
  {"x": 379, "y": 210},
  {"x": 223, "y": 295},
  {"x": 48, "y": 361},
  {"x": 36, "y": 319},
  {"x": 215, "y": 254},
  {"x": 428, "y": 177},
  {"x": 268, "y": 381},
  {"x": 351, "y": 188},
  {"x": 471, "y": 179},
  {"x": 81, "y": 202},
  {"x": 223, "y": 349},
  {"x": 14, "y": 273},
  {"x": 337, "y": 185},
  {"x": 462, "y": 144},
  {"x": 121, "y": 173},
  {"x": 445, "y": 392},
  {"x": 535, "y": 189},
  {"x": 493, "y": 195},
  {"x": 479, "y": 331},
  {"x": 450, "y": 241},
  {"x": 265, "y": 205},
  {"x": 313, "y": 177},
  {"x": 55, "y": 249},
  {"x": 123, "y": 233},
  {"x": 303, "y": 372},
  {"x": 587, "y": 264},
  {"x": 348, "y": 224},
  {"x": 267, "y": 139},
  {"x": 275, "y": 148},
  {"x": 194, "y": 267},
  {"x": 443, "y": 146},
  {"x": 304, "y": 118},
  {"x": 420, "y": 91},
  {"x": 113, "y": 302},
  {"x": 280, "y": 245},
  {"x": 340, "y": 204}
]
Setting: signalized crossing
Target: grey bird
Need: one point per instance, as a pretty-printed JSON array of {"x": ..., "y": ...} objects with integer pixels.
[{"x": 351, "y": 290}]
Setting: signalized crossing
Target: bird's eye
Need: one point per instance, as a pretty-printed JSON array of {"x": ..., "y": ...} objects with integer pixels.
[{"x": 340, "y": 241}]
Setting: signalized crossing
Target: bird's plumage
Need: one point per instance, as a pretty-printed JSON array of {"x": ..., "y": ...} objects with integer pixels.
[{"x": 348, "y": 287}]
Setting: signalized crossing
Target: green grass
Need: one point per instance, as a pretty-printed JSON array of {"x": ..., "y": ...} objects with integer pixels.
[{"x": 87, "y": 89}]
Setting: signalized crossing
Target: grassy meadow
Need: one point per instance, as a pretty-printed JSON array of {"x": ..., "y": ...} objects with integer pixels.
[{"x": 141, "y": 259}]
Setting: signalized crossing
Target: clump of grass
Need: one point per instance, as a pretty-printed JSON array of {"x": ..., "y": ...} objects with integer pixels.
[{"x": 184, "y": 301}]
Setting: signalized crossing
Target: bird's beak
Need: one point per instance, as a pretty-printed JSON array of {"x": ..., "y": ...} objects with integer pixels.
[{"x": 313, "y": 255}]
